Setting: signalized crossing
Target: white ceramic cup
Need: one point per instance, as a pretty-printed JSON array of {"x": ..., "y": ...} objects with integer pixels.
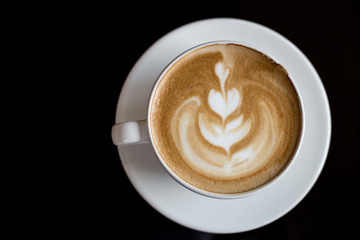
[{"x": 137, "y": 132}]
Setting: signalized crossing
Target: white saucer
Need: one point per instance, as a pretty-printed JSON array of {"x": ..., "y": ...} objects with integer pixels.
[{"x": 213, "y": 215}]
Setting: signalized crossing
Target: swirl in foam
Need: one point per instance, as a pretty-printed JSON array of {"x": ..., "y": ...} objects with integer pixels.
[{"x": 226, "y": 118}]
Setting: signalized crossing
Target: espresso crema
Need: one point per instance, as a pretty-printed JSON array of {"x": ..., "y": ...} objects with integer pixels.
[{"x": 226, "y": 118}]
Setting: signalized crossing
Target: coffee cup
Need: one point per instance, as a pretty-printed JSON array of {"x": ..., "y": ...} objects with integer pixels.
[{"x": 224, "y": 119}]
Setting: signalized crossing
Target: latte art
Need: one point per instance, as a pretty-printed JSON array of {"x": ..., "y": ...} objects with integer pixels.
[
  {"x": 222, "y": 134},
  {"x": 225, "y": 118}
]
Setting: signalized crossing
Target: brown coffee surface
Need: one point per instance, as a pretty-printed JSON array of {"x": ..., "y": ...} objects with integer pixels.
[{"x": 226, "y": 118}]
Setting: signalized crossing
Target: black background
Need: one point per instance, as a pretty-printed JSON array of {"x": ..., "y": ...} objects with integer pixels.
[{"x": 101, "y": 43}]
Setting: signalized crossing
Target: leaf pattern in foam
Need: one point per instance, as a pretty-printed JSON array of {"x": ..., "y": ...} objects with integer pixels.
[{"x": 223, "y": 103}]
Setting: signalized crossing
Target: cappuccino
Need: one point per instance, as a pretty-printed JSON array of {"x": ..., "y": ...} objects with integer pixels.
[{"x": 225, "y": 118}]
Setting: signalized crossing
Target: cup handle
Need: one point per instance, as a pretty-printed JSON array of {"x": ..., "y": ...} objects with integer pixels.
[{"x": 130, "y": 132}]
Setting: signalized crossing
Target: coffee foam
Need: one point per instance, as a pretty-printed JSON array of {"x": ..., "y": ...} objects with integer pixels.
[{"x": 225, "y": 118}]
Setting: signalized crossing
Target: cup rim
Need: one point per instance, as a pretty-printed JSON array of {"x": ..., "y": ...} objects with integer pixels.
[{"x": 216, "y": 195}]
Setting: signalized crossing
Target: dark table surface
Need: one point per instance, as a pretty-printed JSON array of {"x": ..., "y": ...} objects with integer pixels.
[{"x": 108, "y": 40}]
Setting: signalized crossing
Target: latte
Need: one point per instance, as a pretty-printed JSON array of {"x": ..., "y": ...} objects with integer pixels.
[{"x": 226, "y": 118}]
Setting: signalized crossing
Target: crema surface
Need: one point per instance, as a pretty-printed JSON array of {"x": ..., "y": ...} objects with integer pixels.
[{"x": 226, "y": 118}]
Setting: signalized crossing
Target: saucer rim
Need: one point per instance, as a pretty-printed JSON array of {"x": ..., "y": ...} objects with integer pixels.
[{"x": 323, "y": 96}]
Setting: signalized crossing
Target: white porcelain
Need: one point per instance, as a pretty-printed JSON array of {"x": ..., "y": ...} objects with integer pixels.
[
  {"x": 135, "y": 132},
  {"x": 214, "y": 215}
]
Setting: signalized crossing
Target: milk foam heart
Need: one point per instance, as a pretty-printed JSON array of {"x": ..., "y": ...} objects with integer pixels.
[
  {"x": 223, "y": 103},
  {"x": 226, "y": 118}
]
